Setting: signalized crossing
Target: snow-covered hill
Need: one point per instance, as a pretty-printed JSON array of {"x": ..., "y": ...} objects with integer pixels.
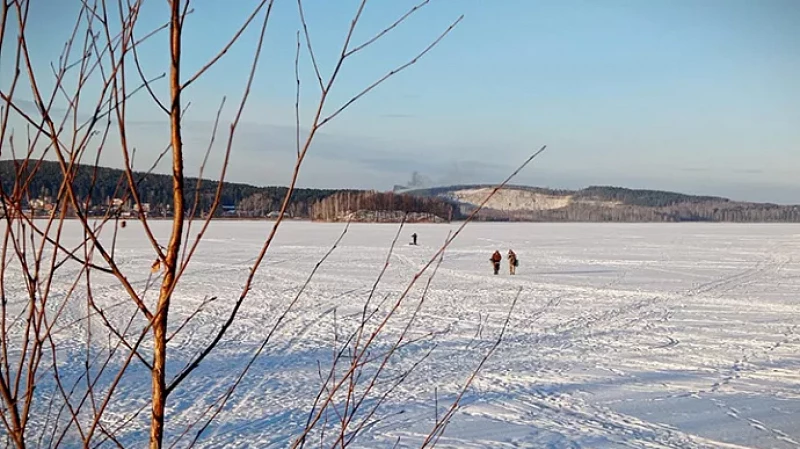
[
  {"x": 512, "y": 199},
  {"x": 516, "y": 199},
  {"x": 603, "y": 204}
]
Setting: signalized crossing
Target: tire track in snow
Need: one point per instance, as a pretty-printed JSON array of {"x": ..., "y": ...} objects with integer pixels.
[
  {"x": 754, "y": 423},
  {"x": 578, "y": 420},
  {"x": 736, "y": 371},
  {"x": 644, "y": 310},
  {"x": 641, "y": 310},
  {"x": 762, "y": 270},
  {"x": 739, "y": 365}
]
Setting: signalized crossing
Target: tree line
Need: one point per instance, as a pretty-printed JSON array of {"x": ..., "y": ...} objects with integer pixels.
[
  {"x": 384, "y": 205},
  {"x": 643, "y": 197},
  {"x": 710, "y": 211}
]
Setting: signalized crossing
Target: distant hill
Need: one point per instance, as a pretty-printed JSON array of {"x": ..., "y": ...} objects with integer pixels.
[
  {"x": 102, "y": 185},
  {"x": 106, "y": 189},
  {"x": 604, "y": 203}
]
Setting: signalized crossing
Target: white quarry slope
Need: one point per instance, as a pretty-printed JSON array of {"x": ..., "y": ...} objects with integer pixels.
[
  {"x": 511, "y": 199},
  {"x": 624, "y": 336}
]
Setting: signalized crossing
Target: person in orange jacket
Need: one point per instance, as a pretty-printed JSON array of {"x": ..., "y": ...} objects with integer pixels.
[{"x": 495, "y": 259}]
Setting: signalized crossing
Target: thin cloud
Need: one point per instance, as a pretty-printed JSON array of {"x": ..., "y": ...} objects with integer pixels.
[
  {"x": 398, "y": 115},
  {"x": 695, "y": 169},
  {"x": 749, "y": 171}
]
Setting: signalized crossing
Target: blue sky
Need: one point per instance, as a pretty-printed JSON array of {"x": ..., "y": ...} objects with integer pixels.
[{"x": 699, "y": 96}]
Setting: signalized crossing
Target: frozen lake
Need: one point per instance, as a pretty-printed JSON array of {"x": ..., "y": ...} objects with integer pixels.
[{"x": 624, "y": 335}]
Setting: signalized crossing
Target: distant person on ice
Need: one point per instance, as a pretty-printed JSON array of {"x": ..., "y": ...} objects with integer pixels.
[
  {"x": 414, "y": 238},
  {"x": 496, "y": 258},
  {"x": 512, "y": 262}
]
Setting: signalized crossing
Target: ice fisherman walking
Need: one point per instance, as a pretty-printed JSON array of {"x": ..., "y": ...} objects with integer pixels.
[
  {"x": 495, "y": 259},
  {"x": 512, "y": 262}
]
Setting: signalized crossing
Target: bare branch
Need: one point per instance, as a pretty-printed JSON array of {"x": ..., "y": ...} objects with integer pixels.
[
  {"x": 194, "y": 364},
  {"x": 440, "y": 425},
  {"x": 392, "y": 73},
  {"x": 188, "y": 319},
  {"x": 223, "y": 400},
  {"x": 229, "y": 146},
  {"x": 388, "y": 29},
  {"x": 230, "y": 43},
  {"x": 297, "y": 93},
  {"x": 310, "y": 47},
  {"x": 200, "y": 180}
]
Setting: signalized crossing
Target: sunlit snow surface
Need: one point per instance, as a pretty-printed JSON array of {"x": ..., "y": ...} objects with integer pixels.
[{"x": 624, "y": 335}]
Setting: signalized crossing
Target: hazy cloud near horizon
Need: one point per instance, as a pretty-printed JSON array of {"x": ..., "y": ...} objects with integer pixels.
[{"x": 266, "y": 154}]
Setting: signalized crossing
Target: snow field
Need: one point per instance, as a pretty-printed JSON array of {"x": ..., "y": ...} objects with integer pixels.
[{"x": 624, "y": 335}]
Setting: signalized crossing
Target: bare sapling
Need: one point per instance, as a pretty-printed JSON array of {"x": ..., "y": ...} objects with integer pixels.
[{"x": 80, "y": 325}]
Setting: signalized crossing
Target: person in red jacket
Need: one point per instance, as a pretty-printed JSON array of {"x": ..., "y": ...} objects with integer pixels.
[{"x": 496, "y": 258}]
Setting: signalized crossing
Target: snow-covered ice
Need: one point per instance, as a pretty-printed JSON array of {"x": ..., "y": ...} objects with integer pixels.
[{"x": 624, "y": 335}]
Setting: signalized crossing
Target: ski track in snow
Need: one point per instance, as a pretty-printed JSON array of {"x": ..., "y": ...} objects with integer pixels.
[{"x": 624, "y": 336}]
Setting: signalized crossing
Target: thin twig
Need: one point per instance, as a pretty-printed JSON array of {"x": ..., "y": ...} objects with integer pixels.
[
  {"x": 441, "y": 424},
  {"x": 227, "y": 46},
  {"x": 391, "y": 73}
]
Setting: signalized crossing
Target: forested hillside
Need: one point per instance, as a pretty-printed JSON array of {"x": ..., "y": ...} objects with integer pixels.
[
  {"x": 603, "y": 203},
  {"x": 102, "y": 185},
  {"x": 106, "y": 188},
  {"x": 644, "y": 198},
  {"x": 381, "y": 206}
]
